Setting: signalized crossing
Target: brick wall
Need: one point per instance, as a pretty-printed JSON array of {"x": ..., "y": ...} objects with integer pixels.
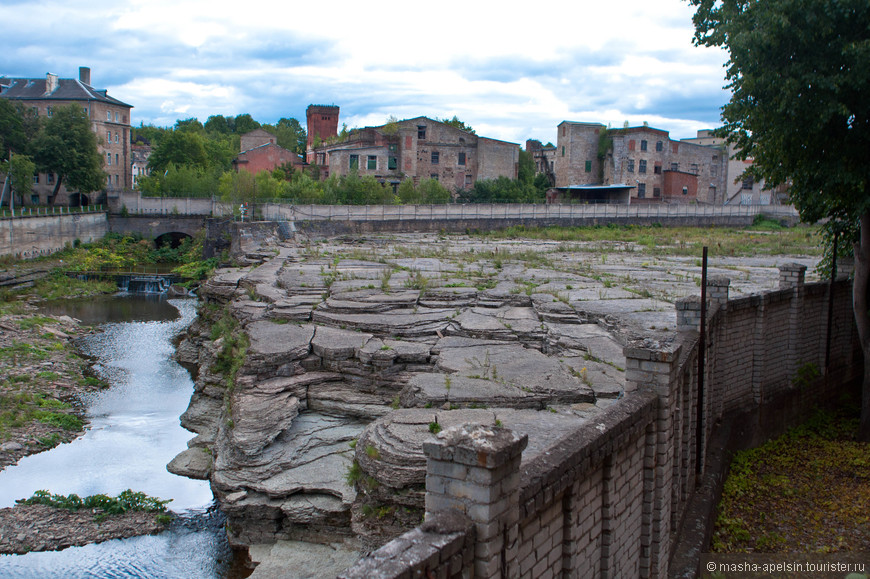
[{"x": 609, "y": 499}]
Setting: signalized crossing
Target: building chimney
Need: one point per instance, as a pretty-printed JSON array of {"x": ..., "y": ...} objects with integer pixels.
[
  {"x": 50, "y": 83},
  {"x": 85, "y": 75}
]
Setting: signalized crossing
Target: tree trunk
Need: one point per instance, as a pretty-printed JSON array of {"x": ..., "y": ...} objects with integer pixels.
[
  {"x": 861, "y": 307},
  {"x": 56, "y": 189}
]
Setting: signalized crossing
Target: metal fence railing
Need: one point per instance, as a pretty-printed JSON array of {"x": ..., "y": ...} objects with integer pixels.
[
  {"x": 284, "y": 211},
  {"x": 28, "y": 211}
]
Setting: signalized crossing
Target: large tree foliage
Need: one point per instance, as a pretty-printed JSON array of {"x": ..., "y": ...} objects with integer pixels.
[
  {"x": 799, "y": 72},
  {"x": 12, "y": 134},
  {"x": 67, "y": 147}
]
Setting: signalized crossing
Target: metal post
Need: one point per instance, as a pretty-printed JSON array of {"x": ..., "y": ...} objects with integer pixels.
[
  {"x": 702, "y": 346},
  {"x": 831, "y": 303}
]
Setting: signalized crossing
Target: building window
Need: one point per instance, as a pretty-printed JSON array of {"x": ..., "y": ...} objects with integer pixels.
[
  {"x": 468, "y": 179},
  {"x": 421, "y": 131},
  {"x": 643, "y": 145},
  {"x": 392, "y": 163},
  {"x": 657, "y": 168},
  {"x": 116, "y": 180},
  {"x": 108, "y": 115},
  {"x": 108, "y": 136},
  {"x": 85, "y": 110},
  {"x": 630, "y": 166},
  {"x": 563, "y": 150},
  {"x": 436, "y": 157},
  {"x": 461, "y": 159},
  {"x": 641, "y": 190},
  {"x": 434, "y": 176},
  {"x": 117, "y": 138},
  {"x": 108, "y": 158},
  {"x": 116, "y": 159},
  {"x": 685, "y": 190},
  {"x": 48, "y": 111},
  {"x": 34, "y": 199},
  {"x": 588, "y": 166},
  {"x": 36, "y": 179},
  {"x": 394, "y": 147},
  {"x": 660, "y": 146},
  {"x": 748, "y": 183},
  {"x": 50, "y": 178},
  {"x": 108, "y": 180},
  {"x": 693, "y": 168},
  {"x": 714, "y": 170},
  {"x": 641, "y": 166},
  {"x": 354, "y": 161},
  {"x": 631, "y": 144},
  {"x": 117, "y": 117},
  {"x": 675, "y": 166},
  {"x": 657, "y": 192},
  {"x": 372, "y": 164}
]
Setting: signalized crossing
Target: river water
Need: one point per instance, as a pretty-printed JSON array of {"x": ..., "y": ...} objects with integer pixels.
[{"x": 134, "y": 432}]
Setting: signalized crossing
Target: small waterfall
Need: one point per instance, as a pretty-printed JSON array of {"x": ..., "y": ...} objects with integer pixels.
[{"x": 144, "y": 284}]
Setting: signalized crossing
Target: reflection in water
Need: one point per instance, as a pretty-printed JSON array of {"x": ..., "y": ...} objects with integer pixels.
[
  {"x": 134, "y": 432},
  {"x": 115, "y": 308}
]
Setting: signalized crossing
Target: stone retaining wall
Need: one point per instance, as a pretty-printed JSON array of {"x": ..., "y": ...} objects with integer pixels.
[
  {"x": 32, "y": 236},
  {"x": 610, "y": 498}
]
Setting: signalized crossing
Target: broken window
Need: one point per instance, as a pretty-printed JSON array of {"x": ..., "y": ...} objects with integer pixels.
[
  {"x": 436, "y": 157},
  {"x": 421, "y": 131},
  {"x": 675, "y": 166},
  {"x": 657, "y": 168},
  {"x": 748, "y": 183},
  {"x": 354, "y": 161},
  {"x": 392, "y": 163}
]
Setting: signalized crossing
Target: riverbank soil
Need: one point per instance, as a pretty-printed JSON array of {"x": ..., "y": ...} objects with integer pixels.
[
  {"x": 42, "y": 384},
  {"x": 807, "y": 491},
  {"x": 43, "y": 381},
  {"x": 26, "y": 528}
]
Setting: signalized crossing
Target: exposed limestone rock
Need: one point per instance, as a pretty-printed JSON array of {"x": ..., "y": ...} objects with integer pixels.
[
  {"x": 343, "y": 349},
  {"x": 192, "y": 463}
]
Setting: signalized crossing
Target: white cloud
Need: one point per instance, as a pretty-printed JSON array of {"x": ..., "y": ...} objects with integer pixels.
[{"x": 511, "y": 69}]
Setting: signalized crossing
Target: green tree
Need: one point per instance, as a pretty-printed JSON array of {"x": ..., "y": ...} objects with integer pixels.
[
  {"x": 526, "y": 169},
  {"x": 799, "y": 72},
  {"x": 456, "y": 123},
  {"x": 217, "y": 124},
  {"x": 21, "y": 168},
  {"x": 432, "y": 192},
  {"x": 181, "y": 148},
  {"x": 244, "y": 123},
  {"x": 189, "y": 125},
  {"x": 12, "y": 135},
  {"x": 67, "y": 147},
  {"x": 291, "y": 135}
]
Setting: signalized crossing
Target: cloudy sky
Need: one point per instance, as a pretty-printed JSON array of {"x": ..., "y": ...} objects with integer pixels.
[{"x": 512, "y": 70}]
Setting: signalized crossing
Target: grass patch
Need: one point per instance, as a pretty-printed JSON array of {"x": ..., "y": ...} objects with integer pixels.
[
  {"x": 127, "y": 501},
  {"x": 807, "y": 491}
]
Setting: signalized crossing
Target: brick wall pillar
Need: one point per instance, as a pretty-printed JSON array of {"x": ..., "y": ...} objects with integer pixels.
[
  {"x": 475, "y": 470},
  {"x": 653, "y": 368},
  {"x": 688, "y": 314},
  {"x": 717, "y": 291},
  {"x": 791, "y": 275}
]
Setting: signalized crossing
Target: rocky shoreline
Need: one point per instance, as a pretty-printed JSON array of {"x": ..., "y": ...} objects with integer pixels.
[{"x": 42, "y": 388}]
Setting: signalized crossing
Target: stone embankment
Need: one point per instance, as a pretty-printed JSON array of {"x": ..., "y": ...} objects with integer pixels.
[{"x": 323, "y": 369}]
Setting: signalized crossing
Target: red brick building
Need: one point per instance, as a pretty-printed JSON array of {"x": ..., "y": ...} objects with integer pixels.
[
  {"x": 260, "y": 152},
  {"x": 322, "y": 124}
]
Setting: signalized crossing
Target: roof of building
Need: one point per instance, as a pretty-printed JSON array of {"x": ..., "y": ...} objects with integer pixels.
[{"x": 68, "y": 89}]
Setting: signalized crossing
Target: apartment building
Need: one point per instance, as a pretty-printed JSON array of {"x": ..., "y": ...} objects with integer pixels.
[{"x": 110, "y": 120}]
